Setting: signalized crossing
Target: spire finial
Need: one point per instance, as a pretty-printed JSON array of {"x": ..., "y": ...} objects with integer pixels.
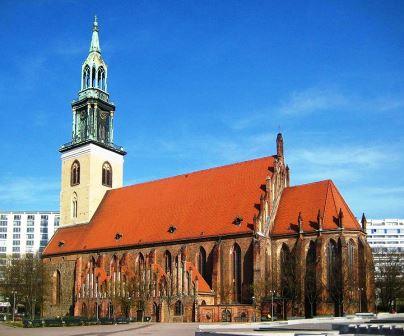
[
  {"x": 95, "y": 43},
  {"x": 95, "y": 24}
]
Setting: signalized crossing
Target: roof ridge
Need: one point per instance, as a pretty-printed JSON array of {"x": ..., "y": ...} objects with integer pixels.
[
  {"x": 308, "y": 184},
  {"x": 326, "y": 197},
  {"x": 194, "y": 172}
]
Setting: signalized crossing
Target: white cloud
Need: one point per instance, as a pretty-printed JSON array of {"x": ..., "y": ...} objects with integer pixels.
[
  {"x": 29, "y": 193},
  {"x": 312, "y": 100}
]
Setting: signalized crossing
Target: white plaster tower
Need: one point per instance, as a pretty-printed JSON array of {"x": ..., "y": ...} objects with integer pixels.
[{"x": 91, "y": 162}]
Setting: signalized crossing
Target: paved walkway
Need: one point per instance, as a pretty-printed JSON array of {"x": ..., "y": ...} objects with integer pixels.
[{"x": 154, "y": 329}]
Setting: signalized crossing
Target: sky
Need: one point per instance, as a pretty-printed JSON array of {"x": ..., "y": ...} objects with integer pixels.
[{"x": 199, "y": 84}]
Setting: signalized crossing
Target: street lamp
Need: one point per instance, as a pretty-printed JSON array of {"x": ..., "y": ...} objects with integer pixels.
[
  {"x": 272, "y": 304},
  {"x": 14, "y": 292},
  {"x": 360, "y": 289},
  {"x": 254, "y": 303}
]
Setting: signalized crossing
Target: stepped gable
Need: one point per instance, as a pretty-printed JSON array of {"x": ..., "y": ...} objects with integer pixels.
[
  {"x": 196, "y": 205},
  {"x": 308, "y": 199}
]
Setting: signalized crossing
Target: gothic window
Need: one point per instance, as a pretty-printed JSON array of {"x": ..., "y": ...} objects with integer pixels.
[
  {"x": 75, "y": 173},
  {"x": 101, "y": 78},
  {"x": 236, "y": 263},
  {"x": 167, "y": 261},
  {"x": 178, "y": 310},
  {"x": 93, "y": 78},
  {"x": 350, "y": 259},
  {"x": 311, "y": 292},
  {"x": 334, "y": 275},
  {"x": 86, "y": 77},
  {"x": 287, "y": 272},
  {"x": 202, "y": 262},
  {"x": 57, "y": 288},
  {"x": 74, "y": 205},
  {"x": 107, "y": 174},
  {"x": 141, "y": 263}
]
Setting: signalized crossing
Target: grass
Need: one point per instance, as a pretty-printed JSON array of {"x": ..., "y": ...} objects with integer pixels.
[{"x": 16, "y": 324}]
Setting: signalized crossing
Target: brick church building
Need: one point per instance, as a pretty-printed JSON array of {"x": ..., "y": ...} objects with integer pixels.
[{"x": 223, "y": 244}]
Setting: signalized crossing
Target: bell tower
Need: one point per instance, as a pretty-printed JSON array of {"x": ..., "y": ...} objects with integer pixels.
[{"x": 91, "y": 162}]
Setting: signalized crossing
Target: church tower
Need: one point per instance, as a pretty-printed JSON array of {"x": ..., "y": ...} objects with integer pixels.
[{"x": 91, "y": 162}]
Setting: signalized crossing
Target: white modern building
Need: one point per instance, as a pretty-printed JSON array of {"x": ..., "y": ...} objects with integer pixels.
[
  {"x": 385, "y": 237},
  {"x": 24, "y": 232}
]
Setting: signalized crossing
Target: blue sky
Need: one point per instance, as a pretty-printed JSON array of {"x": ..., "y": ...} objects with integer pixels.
[{"x": 205, "y": 83}]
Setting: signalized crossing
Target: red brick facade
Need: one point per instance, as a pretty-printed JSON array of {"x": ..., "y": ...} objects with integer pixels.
[{"x": 229, "y": 250}]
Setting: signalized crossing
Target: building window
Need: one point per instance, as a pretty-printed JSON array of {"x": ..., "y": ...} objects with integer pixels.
[
  {"x": 167, "y": 261},
  {"x": 30, "y": 236},
  {"x": 3, "y": 223},
  {"x": 3, "y": 229},
  {"x": 31, "y": 229},
  {"x": 16, "y": 229},
  {"x": 202, "y": 262},
  {"x": 3, "y": 217},
  {"x": 75, "y": 173},
  {"x": 236, "y": 263},
  {"x": 16, "y": 242},
  {"x": 43, "y": 230},
  {"x": 16, "y": 236},
  {"x": 57, "y": 288},
  {"x": 178, "y": 308},
  {"x": 30, "y": 242},
  {"x": 17, "y": 217},
  {"x": 16, "y": 249},
  {"x": 3, "y": 235},
  {"x": 74, "y": 206},
  {"x": 56, "y": 223},
  {"x": 107, "y": 174}
]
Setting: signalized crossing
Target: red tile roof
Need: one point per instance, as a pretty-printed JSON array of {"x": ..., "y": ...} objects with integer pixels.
[
  {"x": 199, "y": 204},
  {"x": 308, "y": 199}
]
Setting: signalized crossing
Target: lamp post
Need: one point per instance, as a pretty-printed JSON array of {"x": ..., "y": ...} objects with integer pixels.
[
  {"x": 254, "y": 304},
  {"x": 360, "y": 289},
  {"x": 14, "y": 292},
  {"x": 272, "y": 304}
]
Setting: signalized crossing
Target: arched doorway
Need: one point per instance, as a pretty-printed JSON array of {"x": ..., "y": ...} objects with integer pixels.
[
  {"x": 156, "y": 312},
  {"x": 310, "y": 282}
]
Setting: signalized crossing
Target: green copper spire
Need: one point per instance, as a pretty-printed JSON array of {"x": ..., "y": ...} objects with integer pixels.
[{"x": 95, "y": 42}]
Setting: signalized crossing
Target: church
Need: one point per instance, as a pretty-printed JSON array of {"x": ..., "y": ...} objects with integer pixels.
[{"x": 230, "y": 243}]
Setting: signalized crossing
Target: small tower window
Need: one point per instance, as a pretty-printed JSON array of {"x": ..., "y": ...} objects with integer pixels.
[
  {"x": 86, "y": 77},
  {"x": 74, "y": 205},
  {"x": 101, "y": 78},
  {"x": 106, "y": 174},
  {"x": 75, "y": 173}
]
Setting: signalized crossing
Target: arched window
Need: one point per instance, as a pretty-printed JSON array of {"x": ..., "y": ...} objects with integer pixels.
[
  {"x": 167, "y": 261},
  {"x": 334, "y": 276},
  {"x": 288, "y": 278},
  {"x": 351, "y": 251},
  {"x": 203, "y": 303},
  {"x": 140, "y": 263},
  {"x": 106, "y": 174},
  {"x": 75, "y": 173},
  {"x": 57, "y": 288},
  {"x": 178, "y": 309},
  {"x": 311, "y": 291},
  {"x": 93, "y": 77},
  {"x": 83, "y": 309},
  {"x": 101, "y": 78},
  {"x": 86, "y": 77},
  {"x": 74, "y": 205},
  {"x": 236, "y": 263},
  {"x": 202, "y": 262}
]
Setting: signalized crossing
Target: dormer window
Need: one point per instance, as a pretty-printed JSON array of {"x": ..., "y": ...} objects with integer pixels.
[
  {"x": 172, "y": 229},
  {"x": 61, "y": 243},
  {"x": 237, "y": 221},
  {"x": 118, "y": 236}
]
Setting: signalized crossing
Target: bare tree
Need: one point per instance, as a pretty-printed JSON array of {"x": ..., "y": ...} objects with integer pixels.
[
  {"x": 389, "y": 280},
  {"x": 24, "y": 278}
]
